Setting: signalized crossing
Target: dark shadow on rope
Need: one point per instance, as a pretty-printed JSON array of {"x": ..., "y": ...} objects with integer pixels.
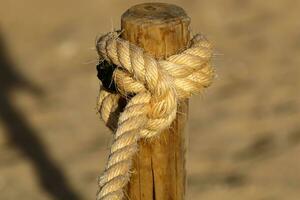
[{"x": 23, "y": 136}]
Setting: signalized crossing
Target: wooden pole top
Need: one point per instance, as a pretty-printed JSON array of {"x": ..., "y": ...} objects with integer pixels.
[
  {"x": 160, "y": 29},
  {"x": 154, "y": 13}
]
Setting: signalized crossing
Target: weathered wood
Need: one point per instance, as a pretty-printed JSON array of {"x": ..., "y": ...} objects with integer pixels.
[{"x": 159, "y": 167}]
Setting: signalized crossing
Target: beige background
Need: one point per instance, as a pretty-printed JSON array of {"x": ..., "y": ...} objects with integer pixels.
[{"x": 244, "y": 131}]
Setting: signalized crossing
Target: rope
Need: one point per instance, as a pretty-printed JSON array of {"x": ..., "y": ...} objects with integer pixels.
[{"x": 153, "y": 89}]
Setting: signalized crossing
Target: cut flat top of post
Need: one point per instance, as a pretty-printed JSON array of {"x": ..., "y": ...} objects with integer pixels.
[
  {"x": 154, "y": 13},
  {"x": 160, "y": 29}
]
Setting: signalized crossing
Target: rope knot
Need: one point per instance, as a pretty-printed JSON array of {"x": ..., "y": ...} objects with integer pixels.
[{"x": 154, "y": 87}]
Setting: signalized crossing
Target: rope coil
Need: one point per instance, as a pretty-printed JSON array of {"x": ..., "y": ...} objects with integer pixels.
[{"x": 154, "y": 87}]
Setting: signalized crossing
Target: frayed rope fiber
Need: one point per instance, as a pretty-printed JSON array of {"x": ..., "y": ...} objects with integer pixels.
[{"x": 152, "y": 89}]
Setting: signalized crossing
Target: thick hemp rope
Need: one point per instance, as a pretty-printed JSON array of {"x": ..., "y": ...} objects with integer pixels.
[{"x": 152, "y": 89}]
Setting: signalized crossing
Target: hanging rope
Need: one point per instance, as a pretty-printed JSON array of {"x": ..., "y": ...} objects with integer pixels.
[{"x": 152, "y": 89}]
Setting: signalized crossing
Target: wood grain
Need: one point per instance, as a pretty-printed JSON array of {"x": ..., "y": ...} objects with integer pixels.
[{"x": 159, "y": 167}]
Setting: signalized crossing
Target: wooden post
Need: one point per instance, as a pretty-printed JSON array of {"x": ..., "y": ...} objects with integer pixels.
[{"x": 159, "y": 167}]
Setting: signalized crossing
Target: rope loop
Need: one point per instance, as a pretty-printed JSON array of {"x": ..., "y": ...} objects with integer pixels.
[{"x": 152, "y": 89}]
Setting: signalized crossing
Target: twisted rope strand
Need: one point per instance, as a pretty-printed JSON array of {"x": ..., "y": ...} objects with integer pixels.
[{"x": 157, "y": 86}]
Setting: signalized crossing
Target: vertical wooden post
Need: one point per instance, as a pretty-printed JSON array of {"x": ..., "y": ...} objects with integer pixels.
[{"x": 159, "y": 167}]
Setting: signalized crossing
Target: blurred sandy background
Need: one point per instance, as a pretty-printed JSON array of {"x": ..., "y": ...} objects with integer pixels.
[{"x": 244, "y": 132}]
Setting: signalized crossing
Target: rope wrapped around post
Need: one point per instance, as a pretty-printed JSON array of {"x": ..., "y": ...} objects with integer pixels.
[{"x": 152, "y": 89}]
